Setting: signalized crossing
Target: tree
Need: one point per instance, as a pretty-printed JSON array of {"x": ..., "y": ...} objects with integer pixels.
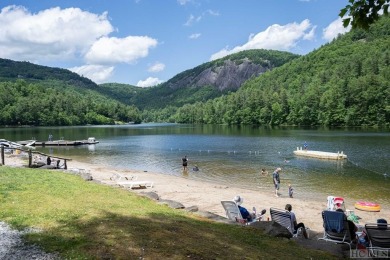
[{"x": 362, "y": 13}]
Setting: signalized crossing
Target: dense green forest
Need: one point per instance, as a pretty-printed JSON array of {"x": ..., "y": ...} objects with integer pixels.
[
  {"x": 344, "y": 83},
  {"x": 26, "y": 103}
]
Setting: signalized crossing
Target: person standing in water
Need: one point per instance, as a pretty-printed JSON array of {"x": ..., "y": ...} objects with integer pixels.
[
  {"x": 185, "y": 162},
  {"x": 276, "y": 180}
]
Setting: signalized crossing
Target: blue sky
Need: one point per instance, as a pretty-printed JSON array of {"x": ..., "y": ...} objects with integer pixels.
[{"x": 147, "y": 42}]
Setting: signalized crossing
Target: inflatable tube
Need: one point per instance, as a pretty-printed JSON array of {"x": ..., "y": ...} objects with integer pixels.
[{"x": 367, "y": 206}]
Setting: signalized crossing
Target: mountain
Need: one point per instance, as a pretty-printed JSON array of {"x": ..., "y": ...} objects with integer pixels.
[
  {"x": 12, "y": 70},
  {"x": 343, "y": 83},
  {"x": 204, "y": 82},
  {"x": 31, "y": 94}
]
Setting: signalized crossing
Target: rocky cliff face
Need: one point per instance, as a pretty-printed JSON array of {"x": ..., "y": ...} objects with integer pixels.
[{"x": 228, "y": 76}]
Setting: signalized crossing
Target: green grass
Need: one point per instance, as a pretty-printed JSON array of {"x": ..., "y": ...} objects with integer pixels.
[{"x": 85, "y": 220}]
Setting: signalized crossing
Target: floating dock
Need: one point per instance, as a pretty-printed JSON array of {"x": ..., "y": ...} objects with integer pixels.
[
  {"x": 320, "y": 155},
  {"x": 90, "y": 140}
]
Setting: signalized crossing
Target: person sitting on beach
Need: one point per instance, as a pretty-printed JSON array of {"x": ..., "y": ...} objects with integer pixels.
[
  {"x": 294, "y": 221},
  {"x": 363, "y": 241},
  {"x": 352, "y": 227},
  {"x": 264, "y": 172},
  {"x": 244, "y": 212}
]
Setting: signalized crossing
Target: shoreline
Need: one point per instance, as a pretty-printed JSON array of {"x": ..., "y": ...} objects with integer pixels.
[{"x": 207, "y": 196}]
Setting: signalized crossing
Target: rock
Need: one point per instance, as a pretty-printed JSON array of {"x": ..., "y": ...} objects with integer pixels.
[
  {"x": 272, "y": 228},
  {"x": 172, "y": 204},
  {"x": 192, "y": 209},
  {"x": 86, "y": 176},
  {"x": 151, "y": 195},
  {"x": 47, "y": 167},
  {"x": 214, "y": 217}
]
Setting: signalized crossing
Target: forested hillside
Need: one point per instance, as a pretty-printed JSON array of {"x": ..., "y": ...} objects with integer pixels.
[
  {"x": 344, "y": 83},
  {"x": 204, "y": 82}
]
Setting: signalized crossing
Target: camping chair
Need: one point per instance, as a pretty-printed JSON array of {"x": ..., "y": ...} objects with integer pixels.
[
  {"x": 335, "y": 203},
  {"x": 378, "y": 236},
  {"x": 283, "y": 217},
  {"x": 336, "y": 228},
  {"x": 233, "y": 213}
]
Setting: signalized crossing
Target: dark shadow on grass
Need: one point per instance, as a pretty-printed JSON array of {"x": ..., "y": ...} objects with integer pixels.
[{"x": 157, "y": 236}]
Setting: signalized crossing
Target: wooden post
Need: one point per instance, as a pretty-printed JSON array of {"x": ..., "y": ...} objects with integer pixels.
[
  {"x": 29, "y": 158},
  {"x": 66, "y": 167},
  {"x": 2, "y": 154}
]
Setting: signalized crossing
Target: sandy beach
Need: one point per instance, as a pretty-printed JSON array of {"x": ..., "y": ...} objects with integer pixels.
[{"x": 208, "y": 196}]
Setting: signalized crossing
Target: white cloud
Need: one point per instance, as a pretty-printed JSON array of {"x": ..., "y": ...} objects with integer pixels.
[
  {"x": 183, "y": 2},
  {"x": 194, "y": 36},
  {"x": 112, "y": 50},
  {"x": 149, "y": 82},
  {"x": 193, "y": 19},
  {"x": 96, "y": 73},
  {"x": 275, "y": 37},
  {"x": 157, "y": 67},
  {"x": 49, "y": 34},
  {"x": 334, "y": 28}
]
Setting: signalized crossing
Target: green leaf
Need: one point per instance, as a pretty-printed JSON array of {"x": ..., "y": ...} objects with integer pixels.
[{"x": 346, "y": 22}]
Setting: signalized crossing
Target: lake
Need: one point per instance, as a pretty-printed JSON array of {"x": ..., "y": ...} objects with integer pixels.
[{"x": 235, "y": 155}]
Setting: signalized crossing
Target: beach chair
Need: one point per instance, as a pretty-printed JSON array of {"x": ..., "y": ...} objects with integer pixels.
[
  {"x": 378, "y": 236},
  {"x": 283, "y": 217},
  {"x": 120, "y": 177},
  {"x": 135, "y": 184},
  {"x": 233, "y": 213},
  {"x": 335, "y": 203},
  {"x": 336, "y": 228}
]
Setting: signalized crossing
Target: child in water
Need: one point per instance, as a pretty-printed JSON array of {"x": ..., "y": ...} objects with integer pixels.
[{"x": 290, "y": 190}]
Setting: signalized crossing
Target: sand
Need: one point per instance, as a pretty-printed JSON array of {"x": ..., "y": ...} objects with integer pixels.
[{"x": 208, "y": 196}]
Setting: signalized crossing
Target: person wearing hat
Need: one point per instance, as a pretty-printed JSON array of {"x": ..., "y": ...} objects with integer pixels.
[
  {"x": 244, "y": 212},
  {"x": 276, "y": 179}
]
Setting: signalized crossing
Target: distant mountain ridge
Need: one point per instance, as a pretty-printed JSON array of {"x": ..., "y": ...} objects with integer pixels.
[
  {"x": 12, "y": 70},
  {"x": 206, "y": 81},
  {"x": 231, "y": 71}
]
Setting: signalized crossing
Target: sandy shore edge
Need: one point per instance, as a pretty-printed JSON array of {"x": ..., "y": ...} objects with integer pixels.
[{"x": 208, "y": 196}]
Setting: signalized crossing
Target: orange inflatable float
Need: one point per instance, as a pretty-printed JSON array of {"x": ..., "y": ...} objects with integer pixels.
[{"x": 368, "y": 206}]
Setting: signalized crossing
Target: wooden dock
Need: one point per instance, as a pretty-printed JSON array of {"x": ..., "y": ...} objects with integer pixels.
[
  {"x": 320, "y": 155},
  {"x": 61, "y": 142}
]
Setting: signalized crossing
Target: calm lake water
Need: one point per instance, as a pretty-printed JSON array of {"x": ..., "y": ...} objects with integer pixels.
[{"x": 234, "y": 155}]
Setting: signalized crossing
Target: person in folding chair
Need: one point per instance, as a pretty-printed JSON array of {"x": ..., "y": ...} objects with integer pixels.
[
  {"x": 294, "y": 221},
  {"x": 244, "y": 212}
]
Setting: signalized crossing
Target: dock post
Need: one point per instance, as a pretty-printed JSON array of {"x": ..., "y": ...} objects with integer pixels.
[
  {"x": 65, "y": 166},
  {"x": 29, "y": 158},
  {"x": 2, "y": 154}
]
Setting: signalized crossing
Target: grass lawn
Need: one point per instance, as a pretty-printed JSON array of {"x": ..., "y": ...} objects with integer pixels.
[{"x": 86, "y": 220}]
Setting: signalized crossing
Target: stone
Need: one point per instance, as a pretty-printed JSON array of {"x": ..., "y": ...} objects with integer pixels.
[
  {"x": 272, "y": 228},
  {"x": 86, "y": 176},
  {"x": 192, "y": 209},
  {"x": 151, "y": 195},
  {"x": 172, "y": 204}
]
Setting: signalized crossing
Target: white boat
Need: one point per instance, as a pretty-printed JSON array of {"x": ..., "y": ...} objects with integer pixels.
[{"x": 320, "y": 155}]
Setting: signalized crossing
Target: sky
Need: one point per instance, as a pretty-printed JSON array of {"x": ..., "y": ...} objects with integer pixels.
[{"x": 147, "y": 42}]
